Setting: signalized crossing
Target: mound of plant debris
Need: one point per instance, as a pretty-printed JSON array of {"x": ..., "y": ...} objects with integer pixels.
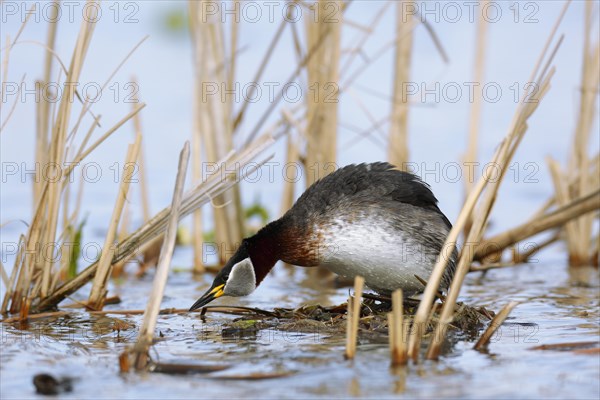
[{"x": 373, "y": 324}]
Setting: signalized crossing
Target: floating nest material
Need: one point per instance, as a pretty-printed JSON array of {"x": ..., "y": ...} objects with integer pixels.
[{"x": 373, "y": 325}]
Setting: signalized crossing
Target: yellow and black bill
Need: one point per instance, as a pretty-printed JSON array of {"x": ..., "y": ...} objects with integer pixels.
[{"x": 210, "y": 295}]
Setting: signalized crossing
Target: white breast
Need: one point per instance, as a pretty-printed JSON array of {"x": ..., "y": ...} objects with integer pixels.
[{"x": 387, "y": 258}]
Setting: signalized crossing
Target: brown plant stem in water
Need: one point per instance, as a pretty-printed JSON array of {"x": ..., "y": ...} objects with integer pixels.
[{"x": 146, "y": 334}]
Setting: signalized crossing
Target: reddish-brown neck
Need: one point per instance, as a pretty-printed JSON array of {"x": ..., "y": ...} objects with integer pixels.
[{"x": 265, "y": 249}]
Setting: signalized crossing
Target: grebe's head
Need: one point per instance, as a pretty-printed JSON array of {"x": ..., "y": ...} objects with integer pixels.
[{"x": 237, "y": 278}]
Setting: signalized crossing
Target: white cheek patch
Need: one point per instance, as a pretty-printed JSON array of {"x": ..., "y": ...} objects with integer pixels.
[{"x": 242, "y": 279}]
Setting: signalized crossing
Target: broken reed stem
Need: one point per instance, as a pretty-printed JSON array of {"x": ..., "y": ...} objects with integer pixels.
[
  {"x": 98, "y": 293},
  {"x": 397, "y": 331},
  {"x": 162, "y": 269},
  {"x": 201, "y": 194},
  {"x": 494, "y": 325},
  {"x": 557, "y": 218},
  {"x": 354, "y": 303}
]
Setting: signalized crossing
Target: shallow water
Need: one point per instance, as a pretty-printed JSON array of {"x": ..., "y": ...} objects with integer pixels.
[{"x": 311, "y": 365}]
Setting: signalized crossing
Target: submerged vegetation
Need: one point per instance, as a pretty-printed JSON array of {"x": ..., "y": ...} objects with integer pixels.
[{"x": 36, "y": 285}]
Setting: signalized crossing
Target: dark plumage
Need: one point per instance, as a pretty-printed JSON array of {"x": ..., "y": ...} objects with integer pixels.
[{"x": 368, "y": 219}]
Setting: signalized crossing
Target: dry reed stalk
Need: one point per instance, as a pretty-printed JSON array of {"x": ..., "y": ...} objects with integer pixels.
[
  {"x": 197, "y": 230},
  {"x": 397, "y": 330},
  {"x": 68, "y": 234},
  {"x": 123, "y": 231},
  {"x": 353, "y": 317},
  {"x": 198, "y": 126},
  {"x": 312, "y": 52},
  {"x": 542, "y": 73},
  {"x": 57, "y": 146},
  {"x": 494, "y": 325},
  {"x": 431, "y": 289},
  {"x": 41, "y": 150},
  {"x": 164, "y": 311},
  {"x": 118, "y": 269},
  {"x": 7, "y": 49},
  {"x": 398, "y": 137},
  {"x": 137, "y": 128},
  {"x": 479, "y": 222},
  {"x": 322, "y": 104},
  {"x": 501, "y": 157},
  {"x": 146, "y": 333},
  {"x": 565, "y": 346},
  {"x": 518, "y": 257},
  {"x": 14, "y": 106},
  {"x": 579, "y": 231},
  {"x": 99, "y": 289},
  {"x": 35, "y": 267},
  {"x": 233, "y": 51},
  {"x": 4, "y": 275},
  {"x": 215, "y": 117},
  {"x": 574, "y": 209},
  {"x": 292, "y": 156},
  {"x": 593, "y": 171},
  {"x": 323, "y": 37},
  {"x": 470, "y": 156},
  {"x": 321, "y": 62},
  {"x": 391, "y": 334},
  {"x": 10, "y": 286},
  {"x": 201, "y": 194},
  {"x": 562, "y": 197},
  {"x": 34, "y": 317}
]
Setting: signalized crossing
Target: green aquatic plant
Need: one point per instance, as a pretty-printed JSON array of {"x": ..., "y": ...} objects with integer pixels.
[{"x": 77, "y": 235}]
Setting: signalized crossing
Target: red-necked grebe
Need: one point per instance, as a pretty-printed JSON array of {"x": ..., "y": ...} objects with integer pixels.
[{"x": 370, "y": 220}]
